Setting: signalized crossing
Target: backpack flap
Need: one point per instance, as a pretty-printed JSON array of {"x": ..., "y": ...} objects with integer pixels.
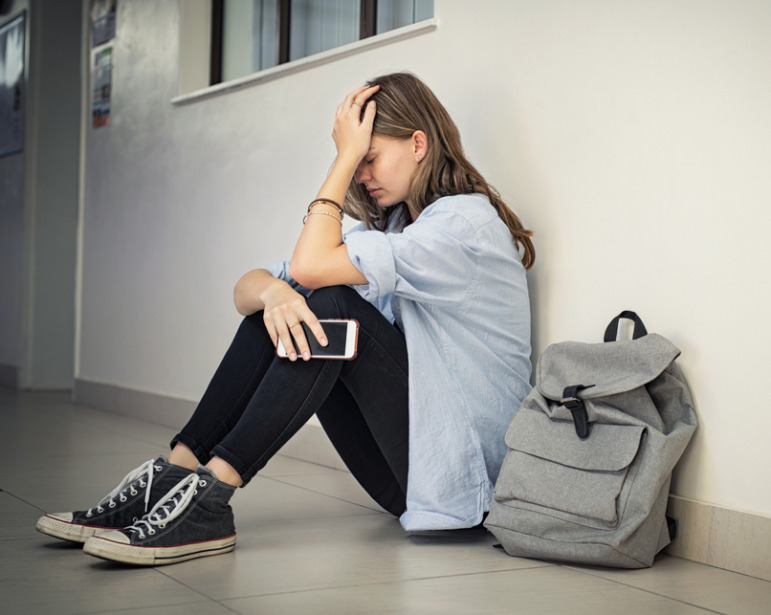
[{"x": 603, "y": 369}]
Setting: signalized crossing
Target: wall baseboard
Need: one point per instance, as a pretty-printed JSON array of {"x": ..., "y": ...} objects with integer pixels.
[
  {"x": 706, "y": 533},
  {"x": 721, "y": 537},
  {"x": 160, "y": 409}
]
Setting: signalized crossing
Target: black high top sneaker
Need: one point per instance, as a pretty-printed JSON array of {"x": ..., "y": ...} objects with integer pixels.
[
  {"x": 192, "y": 520},
  {"x": 133, "y": 497}
]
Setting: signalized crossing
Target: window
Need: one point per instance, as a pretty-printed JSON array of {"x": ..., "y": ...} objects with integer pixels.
[{"x": 253, "y": 35}]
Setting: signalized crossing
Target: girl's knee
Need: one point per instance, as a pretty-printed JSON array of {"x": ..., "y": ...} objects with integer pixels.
[{"x": 333, "y": 301}]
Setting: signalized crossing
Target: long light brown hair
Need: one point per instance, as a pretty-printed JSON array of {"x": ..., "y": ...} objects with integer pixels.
[{"x": 405, "y": 104}]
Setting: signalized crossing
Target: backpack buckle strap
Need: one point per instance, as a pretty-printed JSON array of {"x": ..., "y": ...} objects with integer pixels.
[{"x": 575, "y": 404}]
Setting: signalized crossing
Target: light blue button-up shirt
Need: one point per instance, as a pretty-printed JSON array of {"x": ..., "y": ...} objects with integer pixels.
[{"x": 454, "y": 283}]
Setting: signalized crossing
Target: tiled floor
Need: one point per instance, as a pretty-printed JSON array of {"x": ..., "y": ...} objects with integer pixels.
[{"x": 310, "y": 541}]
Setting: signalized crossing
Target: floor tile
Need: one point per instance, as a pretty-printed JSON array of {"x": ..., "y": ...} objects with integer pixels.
[
  {"x": 534, "y": 591},
  {"x": 70, "y": 483},
  {"x": 281, "y": 466},
  {"x": 711, "y": 588},
  {"x": 56, "y": 577},
  {"x": 202, "y": 607},
  {"x": 268, "y": 499},
  {"x": 283, "y": 555},
  {"x": 334, "y": 483},
  {"x": 17, "y": 517}
]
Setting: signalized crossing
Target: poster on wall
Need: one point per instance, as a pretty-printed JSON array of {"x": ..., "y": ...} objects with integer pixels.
[
  {"x": 11, "y": 86},
  {"x": 102, "y": 84},
  {"x": 103, "y": 21}
]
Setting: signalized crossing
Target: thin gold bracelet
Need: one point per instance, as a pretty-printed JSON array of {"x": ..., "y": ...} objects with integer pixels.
[
  {"x": 321, "y": 213},
  {"x": 328, "y": 202}
]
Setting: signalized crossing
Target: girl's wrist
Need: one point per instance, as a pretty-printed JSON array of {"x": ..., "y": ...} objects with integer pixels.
[
  {"x": 347, "y": 162},
  {"x": 271, "y": 286}
]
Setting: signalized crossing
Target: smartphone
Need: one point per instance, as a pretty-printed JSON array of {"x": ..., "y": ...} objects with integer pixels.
[{"x": 342, "y": 336}]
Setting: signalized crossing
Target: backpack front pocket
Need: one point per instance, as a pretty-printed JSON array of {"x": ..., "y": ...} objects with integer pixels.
[{"x": 549, "y": 466}]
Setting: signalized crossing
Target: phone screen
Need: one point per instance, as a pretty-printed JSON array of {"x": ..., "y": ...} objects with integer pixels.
[{"x": 336, "y": 336}]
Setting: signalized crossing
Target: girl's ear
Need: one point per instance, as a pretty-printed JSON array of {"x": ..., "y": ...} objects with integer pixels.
[{"x": 419, "y": 144}]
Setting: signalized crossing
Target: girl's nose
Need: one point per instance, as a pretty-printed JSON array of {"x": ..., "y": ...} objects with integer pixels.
[{"x": 361, "y": 173}]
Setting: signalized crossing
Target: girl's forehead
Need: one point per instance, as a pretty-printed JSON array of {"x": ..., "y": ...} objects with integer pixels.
[{"x": 380, "y": 141}]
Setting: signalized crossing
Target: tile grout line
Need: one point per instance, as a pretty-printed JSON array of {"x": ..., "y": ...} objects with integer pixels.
[
  {"x": 20, "y": 499},
  {"x": 642, "y": 589},
  {"x": 162, "y": 572},
  {"x": 384, "y": 583}
]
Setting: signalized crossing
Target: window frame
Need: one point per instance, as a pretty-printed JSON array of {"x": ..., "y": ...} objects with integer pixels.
[
  {"x": 195, "y": 51},
  {"x": 367, "y": 28}
]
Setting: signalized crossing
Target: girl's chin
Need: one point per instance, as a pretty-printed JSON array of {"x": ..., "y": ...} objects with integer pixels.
[{"x": 385, "y": 203}]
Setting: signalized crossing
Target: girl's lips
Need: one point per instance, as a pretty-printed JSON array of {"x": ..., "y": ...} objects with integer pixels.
[{"x": 373, "y": 192}]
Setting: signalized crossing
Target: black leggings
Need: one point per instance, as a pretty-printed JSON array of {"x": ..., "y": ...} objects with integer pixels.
[{"x": 255, "y": 402}]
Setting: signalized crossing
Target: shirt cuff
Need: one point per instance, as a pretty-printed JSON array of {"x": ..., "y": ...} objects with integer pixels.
[{"x": 371, "y": 253}]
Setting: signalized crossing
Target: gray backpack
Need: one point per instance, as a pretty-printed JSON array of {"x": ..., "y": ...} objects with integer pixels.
[{"x": 591, "y": 452}]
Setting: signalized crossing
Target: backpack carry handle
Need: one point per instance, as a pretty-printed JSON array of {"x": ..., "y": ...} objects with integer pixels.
[{"x": 611, "y": 333}]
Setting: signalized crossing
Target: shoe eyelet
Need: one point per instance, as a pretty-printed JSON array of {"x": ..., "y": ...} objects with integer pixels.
[
  {"x": 99, "y": 509},
  {"x": 158, "y": 468},
  {"x": 89, "y": 514},
  {"x": 201, "y": 483},
  {"x": 112, "y": 504},
  {"x": 134, "y": 519},
  {"x": 151, "y": 532},
  {"x": 162, "y": 526},
  {"x": 133, "y": 491},
  {"x": 142, "y": 484},
  {"x": 123, "y": 498}
]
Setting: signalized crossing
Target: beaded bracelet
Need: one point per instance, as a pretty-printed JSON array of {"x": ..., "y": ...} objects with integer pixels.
[
  {"x": 328, "y": 202},
  {"x": 321, "y": 213}
]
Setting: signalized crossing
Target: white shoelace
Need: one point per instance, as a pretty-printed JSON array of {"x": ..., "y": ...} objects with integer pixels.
[
  {"x": 127, "y": 483},
  {"x": 169, "y": 507}
]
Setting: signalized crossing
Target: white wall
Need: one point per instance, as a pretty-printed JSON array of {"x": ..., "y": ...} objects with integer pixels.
[{"x": 634, "y": 138}]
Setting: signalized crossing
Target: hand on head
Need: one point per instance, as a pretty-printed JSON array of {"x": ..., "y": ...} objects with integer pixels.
[{"x": 352, "y": 131}]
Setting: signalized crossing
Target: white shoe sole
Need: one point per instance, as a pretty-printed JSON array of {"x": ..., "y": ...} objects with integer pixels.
[
  {"x": 52, "y": 525},
  {"x": 104, "y": 547}
]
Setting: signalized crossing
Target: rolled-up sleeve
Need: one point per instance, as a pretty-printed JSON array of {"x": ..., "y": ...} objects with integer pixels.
[
  {"x": 371, "y": 253},
  {"x": 432, "y": 261}
]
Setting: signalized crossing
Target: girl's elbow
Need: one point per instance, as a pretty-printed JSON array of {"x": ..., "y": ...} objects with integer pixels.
[
  {"x": 240, "y": 302},
  {"x": 305, "y": 274}
]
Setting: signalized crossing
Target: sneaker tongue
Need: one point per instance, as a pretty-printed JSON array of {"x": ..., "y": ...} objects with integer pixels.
[{"x": 204, "y": 471}]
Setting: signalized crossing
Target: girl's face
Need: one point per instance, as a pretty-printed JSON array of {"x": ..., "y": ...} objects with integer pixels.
[{"x": 387, "y": 168}]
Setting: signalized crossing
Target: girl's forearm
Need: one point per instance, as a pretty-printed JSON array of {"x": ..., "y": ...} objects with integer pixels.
[
  {"x": 320, "y": 257},
  {"x": 336, "y": 184},
  {"x": 249, "y": 292}
]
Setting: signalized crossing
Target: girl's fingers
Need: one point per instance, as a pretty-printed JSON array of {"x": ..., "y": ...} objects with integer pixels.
[
  {"x": 368, "y": 119},
  {"x": 359, "y": 97},
  {"x": 289, "y": 329},
  {"x": 283, "y": 332}
]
